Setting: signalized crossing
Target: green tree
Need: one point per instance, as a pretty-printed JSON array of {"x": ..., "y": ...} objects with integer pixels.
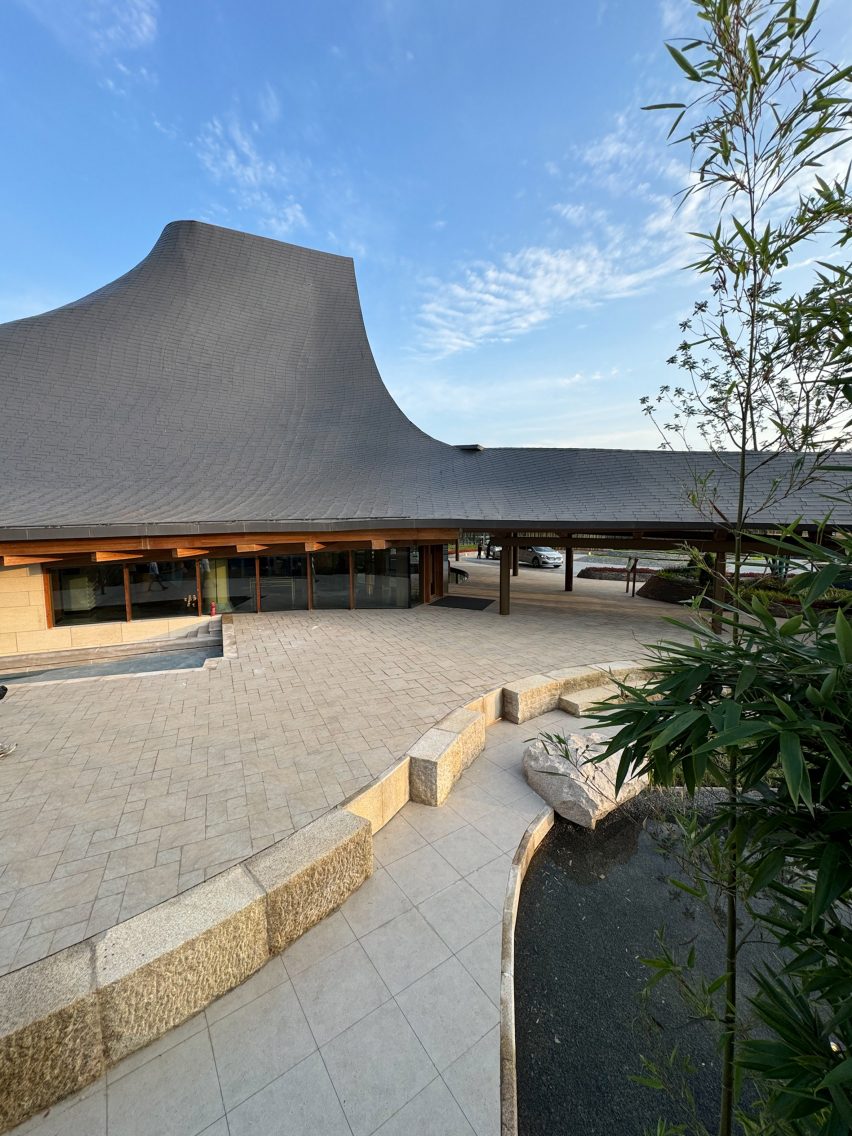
[{"x": 758, "y": 708}]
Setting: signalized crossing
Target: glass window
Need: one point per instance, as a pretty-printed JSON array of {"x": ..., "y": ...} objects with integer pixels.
[
  {"x": 230, "y": 584},
  {"x": 93, "y": 594},
  {"x": 161, "y": 589},
  {"x": 381, "y": 578},
  {"x": 284, "y": 583},
  {"x": 331, "y": 579},
  {"x": 414, "y": 574}
]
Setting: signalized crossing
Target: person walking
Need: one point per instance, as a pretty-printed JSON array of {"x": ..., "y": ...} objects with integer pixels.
[
  {"x": 479, "y": 550},
  {"x": 154, "y": 576}
]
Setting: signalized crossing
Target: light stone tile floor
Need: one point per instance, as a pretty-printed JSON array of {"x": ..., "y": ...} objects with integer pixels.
[
  {"x": 384, "y": 1018},
  {"x": 125, "y": 791}
]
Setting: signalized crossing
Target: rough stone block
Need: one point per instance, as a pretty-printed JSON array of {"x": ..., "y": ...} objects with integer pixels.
[
  {"x": 160, "y": 967},
  {"x": 50, "y": 1033},
  {"x": 442, "y": 754},
  {"x": 530, "y": 697},
  {"x": 312, "y": 872},
  {"x": 572, "y": 783}
]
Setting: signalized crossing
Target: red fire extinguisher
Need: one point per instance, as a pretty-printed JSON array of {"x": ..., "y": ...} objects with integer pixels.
[{"x": 213, "y": 607}]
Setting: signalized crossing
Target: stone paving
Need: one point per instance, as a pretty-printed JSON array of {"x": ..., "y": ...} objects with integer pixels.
[
  {"x": 124, "y": 791},
  {"x": 384, "y": 1018}
]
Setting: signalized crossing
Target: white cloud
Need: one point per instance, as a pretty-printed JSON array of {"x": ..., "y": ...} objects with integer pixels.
[
  {"x": 677, "y": 17},
  {"x": 623, "y": 233},
  {"x": 231, "y": 154},
  {"x": 99, "y": 28}
]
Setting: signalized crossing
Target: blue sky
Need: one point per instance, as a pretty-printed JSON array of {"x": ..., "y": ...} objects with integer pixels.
[{"x": 486, "y": 163}]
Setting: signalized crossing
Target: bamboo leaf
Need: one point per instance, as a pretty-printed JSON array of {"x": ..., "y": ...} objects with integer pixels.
[
  {"x": 792, "y": 763},
  {"x": 684, "y": 64},
  {"x": 844, "y": 637}
]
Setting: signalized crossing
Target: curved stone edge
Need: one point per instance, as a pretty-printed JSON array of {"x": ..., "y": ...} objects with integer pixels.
[
  {"x": 527, "y": 848},
  {"x": 67, "y": 1018}
]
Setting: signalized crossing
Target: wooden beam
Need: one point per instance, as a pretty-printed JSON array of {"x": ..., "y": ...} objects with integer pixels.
[
  {"x": 109, "y": 557},
  {"x": 378, "y": 545},
  {"x": 242, "y": 549},
  {"x": 184, "y": 553},
  {"x": 26, "y": 561}
]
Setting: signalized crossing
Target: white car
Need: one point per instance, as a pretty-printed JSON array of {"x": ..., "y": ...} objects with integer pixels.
[{"x": 540, "y": 556}]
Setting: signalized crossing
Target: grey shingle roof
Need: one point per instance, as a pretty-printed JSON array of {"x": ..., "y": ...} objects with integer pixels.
[{"x": 227, "y": 383}]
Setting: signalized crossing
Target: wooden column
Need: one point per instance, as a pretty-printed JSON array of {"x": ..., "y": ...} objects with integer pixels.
[
  {"x": 719, "y": 589},
  {"x": 199, "y": 609},
  {"x": 351, "y": 580},
  {"x": 569, "y": 569},
  {"x": 309, "y": 570},
  {"x": 505, "y": 577},
  {"x": 457, "y": 552},
  {"x": 128, "y": 606},
  {"x": 50, "y": 618},
  {"x": 514, "y": 560},
  {"x": 257, "y": 583}
]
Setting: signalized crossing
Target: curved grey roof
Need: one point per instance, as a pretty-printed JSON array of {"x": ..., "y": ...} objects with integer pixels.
[{"x": 226, "y": 383}]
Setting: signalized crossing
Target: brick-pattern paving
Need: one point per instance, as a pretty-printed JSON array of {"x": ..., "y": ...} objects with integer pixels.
[{"x": 125, "y": 791}]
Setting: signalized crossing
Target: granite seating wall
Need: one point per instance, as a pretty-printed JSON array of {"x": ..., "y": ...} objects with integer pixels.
[{"x": 67, "y": 1018}]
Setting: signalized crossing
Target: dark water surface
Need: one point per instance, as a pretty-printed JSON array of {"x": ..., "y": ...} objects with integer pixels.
[{"x": 590, "y": 906}]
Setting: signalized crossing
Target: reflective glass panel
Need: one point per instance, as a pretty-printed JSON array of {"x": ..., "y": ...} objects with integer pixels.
[
  {"x": 161, "y": 589},
  {"x": 88, "y": 595},
  {"x": 331, "y": 579},
  {"x": 414, "y": 574},
  {"x": 230, "y": 584},
  {"x": 284, "y": 583},
  {"x": 381, "y": 578}
]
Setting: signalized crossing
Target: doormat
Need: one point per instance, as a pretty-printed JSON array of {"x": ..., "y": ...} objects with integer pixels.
[{"x": 472, "y": 603}]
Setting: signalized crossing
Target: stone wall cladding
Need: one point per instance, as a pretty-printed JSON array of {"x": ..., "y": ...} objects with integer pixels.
[
  {"x": 442, "y": 754},
  {"x": 164, "y": 965},
  {"x": 50, "y": 1033},
  {"x": 311, "y": 873}
]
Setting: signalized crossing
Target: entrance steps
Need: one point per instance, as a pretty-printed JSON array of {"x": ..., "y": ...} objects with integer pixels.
[{"x": 578, "y": 702}]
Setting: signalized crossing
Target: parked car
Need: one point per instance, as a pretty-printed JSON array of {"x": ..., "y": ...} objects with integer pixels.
[
  {"x": 540, "y": 556},
  {"x": 492, "y": 552}
]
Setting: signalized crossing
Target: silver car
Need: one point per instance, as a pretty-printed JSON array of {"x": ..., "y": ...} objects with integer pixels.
[{"x": 540, "y": 556}]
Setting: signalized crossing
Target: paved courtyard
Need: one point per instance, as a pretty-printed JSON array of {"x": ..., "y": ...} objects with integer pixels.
[
  {"x": 124, "y": 791},
  {"x": 384, "y": 1018}
]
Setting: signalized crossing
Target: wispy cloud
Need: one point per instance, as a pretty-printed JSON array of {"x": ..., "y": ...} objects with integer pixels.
[
  {"x": 677, "y": 17},
  {"x": 231, "y": 153},
  {"x": 622, "y": 233},
  {"x": 98, "y": 28}
]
